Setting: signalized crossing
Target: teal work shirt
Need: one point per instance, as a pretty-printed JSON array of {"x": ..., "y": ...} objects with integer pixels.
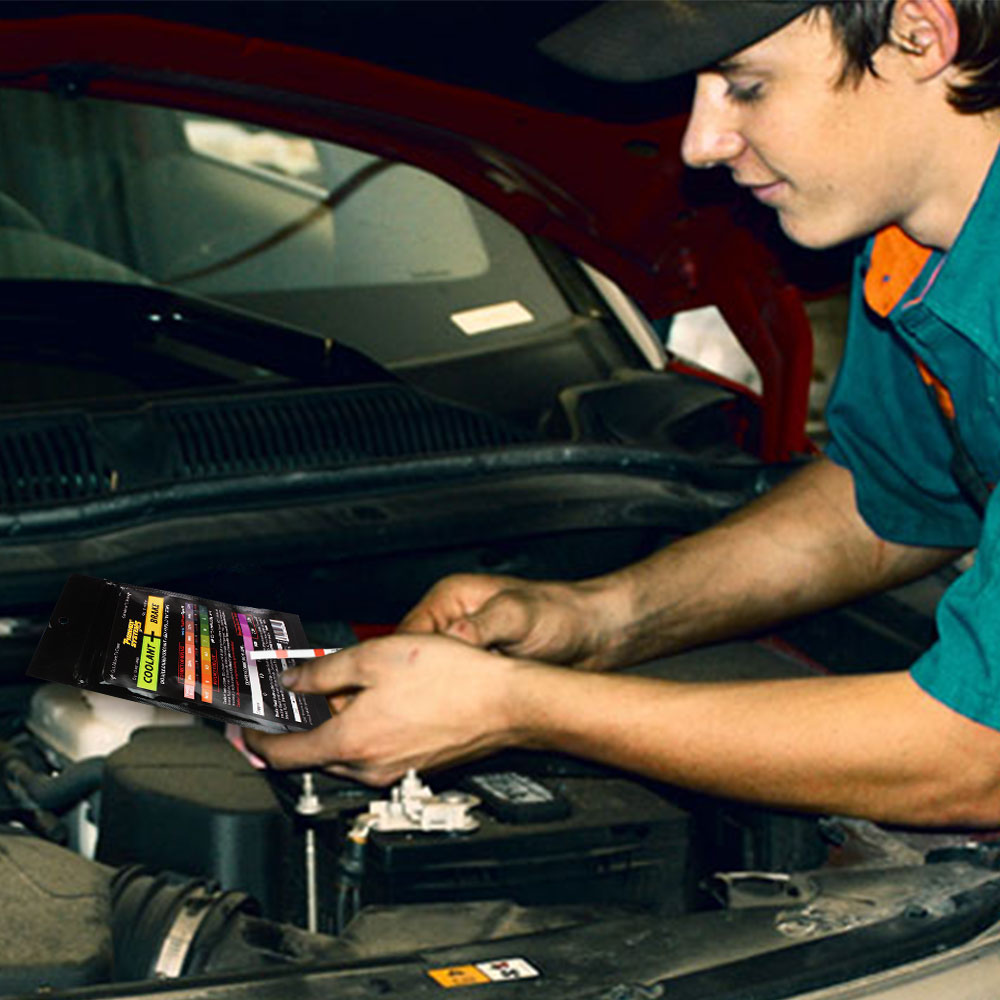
[{"x": 888, "y": 431}]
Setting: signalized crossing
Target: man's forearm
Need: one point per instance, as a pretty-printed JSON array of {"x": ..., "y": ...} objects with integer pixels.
[
  {"x": 876, "y": 746},
  {"x": 802, "y": 547}
]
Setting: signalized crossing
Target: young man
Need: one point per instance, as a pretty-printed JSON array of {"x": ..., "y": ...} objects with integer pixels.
[{"x": 847, "y": 119}]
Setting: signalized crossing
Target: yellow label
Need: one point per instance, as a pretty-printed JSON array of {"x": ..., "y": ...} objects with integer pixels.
[
  {"x": 458, "y": 975},
  {"x": 132, "y": 635},
  {"x": 154, "y": 616},
  {"x": 149, "y": 663}
]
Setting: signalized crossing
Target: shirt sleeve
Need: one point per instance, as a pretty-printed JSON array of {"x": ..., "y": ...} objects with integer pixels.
[
  {"x": 886, "y": 430},
  {"x": 962, "y": 669}
]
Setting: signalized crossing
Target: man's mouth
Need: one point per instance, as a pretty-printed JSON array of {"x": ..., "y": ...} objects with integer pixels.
[{"x": 767, "y": 193}]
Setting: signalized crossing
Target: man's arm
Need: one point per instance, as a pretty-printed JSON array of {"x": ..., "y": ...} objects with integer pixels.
[
  {"x": 802, "y": 547},
  {"x": 874, "y": 746}
]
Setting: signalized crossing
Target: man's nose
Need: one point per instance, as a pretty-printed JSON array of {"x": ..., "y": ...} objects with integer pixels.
[{"x": 712, "y": 136}]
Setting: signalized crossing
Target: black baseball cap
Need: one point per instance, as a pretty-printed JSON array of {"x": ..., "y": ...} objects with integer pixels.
[{"x": 639, "y": 41}]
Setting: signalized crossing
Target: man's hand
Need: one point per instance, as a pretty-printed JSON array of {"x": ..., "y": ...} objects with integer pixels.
[
  {"x": 802, "y": 547},
  {"x": 562, "y": 623},
  {"x": 399, "y": 702}
]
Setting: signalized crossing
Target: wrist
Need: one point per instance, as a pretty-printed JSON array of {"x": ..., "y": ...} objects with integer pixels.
[
  {"x": 605, "y": 610},
  {"x": 531, "y": 699}
]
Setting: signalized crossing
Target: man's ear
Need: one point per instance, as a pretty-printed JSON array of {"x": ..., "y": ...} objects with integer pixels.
[{"x": 927, "y": 30}]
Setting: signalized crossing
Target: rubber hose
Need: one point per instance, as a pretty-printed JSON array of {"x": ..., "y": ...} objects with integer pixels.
[{"x": 56, "y": 793}]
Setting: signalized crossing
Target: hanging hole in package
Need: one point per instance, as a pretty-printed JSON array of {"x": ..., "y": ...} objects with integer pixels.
[{"x": 177, "y": 651}]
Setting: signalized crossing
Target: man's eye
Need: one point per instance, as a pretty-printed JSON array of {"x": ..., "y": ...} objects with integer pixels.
[{"x": 744, "y": 94}]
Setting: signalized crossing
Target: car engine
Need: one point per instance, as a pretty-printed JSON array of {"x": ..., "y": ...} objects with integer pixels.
[{"x": 140, "y": 843}]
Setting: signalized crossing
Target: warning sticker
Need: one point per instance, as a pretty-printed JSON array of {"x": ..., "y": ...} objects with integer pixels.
[
  {"x": 499, "y": 970},
  {"x": 458, "y": 975},
  {"x": 503, "y": 969}
]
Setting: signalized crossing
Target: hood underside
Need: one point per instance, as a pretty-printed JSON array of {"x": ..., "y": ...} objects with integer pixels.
[{"x": 458, "y": 89}]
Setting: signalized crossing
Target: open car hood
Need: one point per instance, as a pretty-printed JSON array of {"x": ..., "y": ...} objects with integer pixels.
[
  {"x": 456, "y": 88},
  {"x": 460, "y": 90}
]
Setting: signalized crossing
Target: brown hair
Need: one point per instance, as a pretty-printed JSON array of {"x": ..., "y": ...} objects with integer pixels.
[{"x": 862, "y": 27}]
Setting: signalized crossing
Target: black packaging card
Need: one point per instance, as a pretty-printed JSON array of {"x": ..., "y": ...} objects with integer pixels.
[{"x": 178, "y": 651}]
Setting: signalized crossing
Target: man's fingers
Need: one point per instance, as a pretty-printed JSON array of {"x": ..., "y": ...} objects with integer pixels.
[
  {"x": 453, "y": 599},
  {"x": 316, "y": 750},
  {"x": 418, "y": 620},
  {"x": 325, "y": 675},
  {"x": 440, "y": 605},
  {"x": 287, "y": 751},
  {"x": 501, "y": 620},
  {"x": 338, "y": 702}
]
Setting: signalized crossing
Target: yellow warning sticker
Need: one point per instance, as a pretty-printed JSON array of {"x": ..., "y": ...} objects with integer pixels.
[
  {"x": 499, "y": 970},
  {"x": 458, "y": 975}
]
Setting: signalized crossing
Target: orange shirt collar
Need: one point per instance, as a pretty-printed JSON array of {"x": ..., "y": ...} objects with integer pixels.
[{"x": 896, "y": 260}]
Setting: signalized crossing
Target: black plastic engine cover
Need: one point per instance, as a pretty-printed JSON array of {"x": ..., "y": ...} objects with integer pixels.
[{"x": 183, "y": 799}]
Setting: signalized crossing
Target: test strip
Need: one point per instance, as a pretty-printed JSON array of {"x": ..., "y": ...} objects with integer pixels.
[{"x": 289, "y": 654}]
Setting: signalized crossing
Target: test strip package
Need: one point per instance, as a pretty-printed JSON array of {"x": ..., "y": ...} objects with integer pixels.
[{"x": 177, "y": 651}]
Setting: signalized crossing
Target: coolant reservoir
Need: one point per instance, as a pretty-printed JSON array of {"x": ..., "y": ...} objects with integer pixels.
[
  {"x": 73, "y": 724},
  {"x": 76, "y": 724}
]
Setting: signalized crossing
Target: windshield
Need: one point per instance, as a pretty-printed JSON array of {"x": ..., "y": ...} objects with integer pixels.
[{"x": 331, "y": 239}]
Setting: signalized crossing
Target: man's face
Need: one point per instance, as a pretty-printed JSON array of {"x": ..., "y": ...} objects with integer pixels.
[{"x": 835, "y": 162}]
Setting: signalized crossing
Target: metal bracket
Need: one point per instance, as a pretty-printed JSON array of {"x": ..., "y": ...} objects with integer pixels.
[{"x": 753, "y": 890}]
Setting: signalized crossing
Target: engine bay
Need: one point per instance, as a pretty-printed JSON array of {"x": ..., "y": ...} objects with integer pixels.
[
  {"x": 143, "y": 844},
  {"x": 175, "y": 816}
]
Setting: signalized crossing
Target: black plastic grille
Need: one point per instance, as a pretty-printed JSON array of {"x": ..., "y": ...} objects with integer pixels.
[
  {"x": 76, "y": 456},
  {"x": 47, "y": 461},
  {"x": 327, "y": 430}
]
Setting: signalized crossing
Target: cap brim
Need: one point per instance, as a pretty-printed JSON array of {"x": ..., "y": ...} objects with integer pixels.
[{"x": 639, "y": 41}]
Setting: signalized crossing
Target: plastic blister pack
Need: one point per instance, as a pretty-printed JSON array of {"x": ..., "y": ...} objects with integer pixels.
[{"x": 176, "y": 651}]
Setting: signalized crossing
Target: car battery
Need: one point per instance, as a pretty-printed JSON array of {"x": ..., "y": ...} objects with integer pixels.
[{"x": 617, "y": 843}]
